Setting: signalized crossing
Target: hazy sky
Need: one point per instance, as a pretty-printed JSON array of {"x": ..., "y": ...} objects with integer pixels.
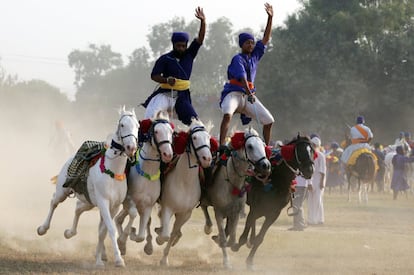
[{"x": 36, "y": 36}]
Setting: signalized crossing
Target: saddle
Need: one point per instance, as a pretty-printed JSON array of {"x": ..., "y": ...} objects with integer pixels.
[{"x": 78, "y": 170}]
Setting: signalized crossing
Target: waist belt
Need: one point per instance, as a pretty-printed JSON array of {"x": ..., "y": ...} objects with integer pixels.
[
  {"x": 238, "y": 83},
  {"x": 180, "y": 85}
]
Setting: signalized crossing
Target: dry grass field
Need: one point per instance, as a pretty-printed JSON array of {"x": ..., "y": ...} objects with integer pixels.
[{"x": 357, "y": 239}]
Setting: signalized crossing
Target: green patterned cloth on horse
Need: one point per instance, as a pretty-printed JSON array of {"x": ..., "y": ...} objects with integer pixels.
[{"x": 85, "y": 157}]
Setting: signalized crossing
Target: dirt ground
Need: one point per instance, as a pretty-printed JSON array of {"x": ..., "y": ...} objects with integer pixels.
[{"x": 376, "y": 238}]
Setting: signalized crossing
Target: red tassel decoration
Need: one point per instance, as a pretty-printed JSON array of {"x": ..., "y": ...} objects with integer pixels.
[
  {"x": 179, "y": 143},
  {"x": 145, "y": 125},
  {"x": 237, "y": 140}
]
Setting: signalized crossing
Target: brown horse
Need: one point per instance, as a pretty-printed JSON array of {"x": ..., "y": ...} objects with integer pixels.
[{"x": 364, "y": 172}]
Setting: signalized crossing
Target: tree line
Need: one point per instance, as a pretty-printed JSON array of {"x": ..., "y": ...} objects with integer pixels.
[{"x": 331, "y": 61}]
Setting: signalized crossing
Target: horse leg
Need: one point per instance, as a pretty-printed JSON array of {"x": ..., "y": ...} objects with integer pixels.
[
  {"x": 208, "y": 225},
  {"x": 252, "y": 235},
  {"x": 123, "y": 234},
  {"x": 176, "y": 234},
  {"x": 232, "y": 222},
  {"x": 243, "y": 237},
  {"x": 107, "y": 215},
  {"x": 349, "y": 187},
  {"x": 259, "y": 238},
  {"x": 220, "y": 239},
  {"x": 59, "y": 196},
  {"x": 164, "y": 231},
  {"x": 100, "y": 254},
  {"x": 359, "y": 191},
  {"x": 143, "y": 222},
  {"x": 148, "y": 249},
  {"x": 80, "y": 208}
]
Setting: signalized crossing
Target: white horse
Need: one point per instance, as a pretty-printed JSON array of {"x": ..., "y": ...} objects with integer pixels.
[
  {"x": 144, "y": 180},
  {"x": 227, "y": 192},
  {"x": 181, "y": 189},
  {"x": 106, "y": 185}
]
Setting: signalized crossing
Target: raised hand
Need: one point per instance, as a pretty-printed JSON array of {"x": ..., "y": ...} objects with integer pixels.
[
  {"x": 269, "y": 9},
  {"x": 199, "y": 13}
]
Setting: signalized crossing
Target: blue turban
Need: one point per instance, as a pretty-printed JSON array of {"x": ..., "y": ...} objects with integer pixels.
[
  {"x": 360, "y": 120},
  {"x": 314, "y": 135},
  {"x": 334, "y": 145},
  {"x": 243, "y": 37},
  {"x": 179, "y": 37}
]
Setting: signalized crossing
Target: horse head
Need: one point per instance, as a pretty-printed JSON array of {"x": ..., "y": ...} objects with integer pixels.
[
  {"x": 158, "y": 131},
  {"x": 249, "y": 144},
  {"x": 299, "y": 155},
  {"x": 126, "y": 133},
  {"x": 196, "y": 140}
]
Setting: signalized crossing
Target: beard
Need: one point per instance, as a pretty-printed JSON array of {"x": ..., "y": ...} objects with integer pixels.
[{"x": 178, "y": 54}]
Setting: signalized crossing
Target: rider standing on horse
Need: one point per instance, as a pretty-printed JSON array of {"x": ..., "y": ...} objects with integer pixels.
[
  {"x": 173, "y": 70},
  {"x": 361, "y": 135},
  {"x": 238, "y": 94}
]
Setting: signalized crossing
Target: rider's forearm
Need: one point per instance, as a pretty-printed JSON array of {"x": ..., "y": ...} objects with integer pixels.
[
  {"x": 268, "y": 30},
  {"x": 159, "y": 78},
  {"x": 202, "y": 32}
]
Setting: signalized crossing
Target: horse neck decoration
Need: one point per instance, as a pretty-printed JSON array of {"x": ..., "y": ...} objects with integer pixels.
[
  {"x": 144, "y": 180},
  {"x": 181, "y": 188},
  {"x": 294, "y": 158},
  {"x": 106, "y": 191}
]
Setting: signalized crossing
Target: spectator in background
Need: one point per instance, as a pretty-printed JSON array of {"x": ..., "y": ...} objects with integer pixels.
[
  {"x": 301, "y": 189},
  {"x": 316, "y": 188},
  {"x": 380, "y": 177},
  {"x": 399, "y": 182},
  {"x": 335, "y": 175}
]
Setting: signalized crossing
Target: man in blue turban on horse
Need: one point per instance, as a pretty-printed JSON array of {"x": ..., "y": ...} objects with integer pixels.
[
  {"x": 238, "y": 94},
  {"x": 172, "y": 71}
]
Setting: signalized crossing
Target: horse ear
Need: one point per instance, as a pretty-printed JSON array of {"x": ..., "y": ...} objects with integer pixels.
[
  {"x": 298, "y": 135},
  {"x": 213, "y": 145},
  {"x": 180, "y": 142},
  {"x": 133, "y": 112}
]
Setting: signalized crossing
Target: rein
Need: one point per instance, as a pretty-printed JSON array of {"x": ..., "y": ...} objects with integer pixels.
[{"x": 191, "y": 145}]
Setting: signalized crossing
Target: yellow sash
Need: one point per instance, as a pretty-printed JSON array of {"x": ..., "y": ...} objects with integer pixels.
[{"x": 180, "y": 85}]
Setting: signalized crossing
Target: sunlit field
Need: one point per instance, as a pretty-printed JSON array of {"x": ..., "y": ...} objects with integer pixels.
[{"x": 376, "y": 238}]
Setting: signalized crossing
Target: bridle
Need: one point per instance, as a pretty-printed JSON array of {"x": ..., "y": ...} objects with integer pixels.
[
  {"x": 297, "y": 171},
  {"x": 247, "y": 159},
  {"x": 120, "y": 146},
  {"x": 153, "y": 139},
  {"x": 190, "y": 145}
]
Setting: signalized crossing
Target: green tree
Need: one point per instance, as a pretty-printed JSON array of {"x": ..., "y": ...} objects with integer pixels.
[{"x": 93, "y": 62}]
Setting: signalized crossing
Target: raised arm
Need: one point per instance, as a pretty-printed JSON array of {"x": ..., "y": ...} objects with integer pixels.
[
  {"x": 268, "y": 30},
  {"x": 199, "y": 13}
]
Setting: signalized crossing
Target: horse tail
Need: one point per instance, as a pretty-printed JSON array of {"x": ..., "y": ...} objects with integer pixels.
[{"x": 54, "y": 179}]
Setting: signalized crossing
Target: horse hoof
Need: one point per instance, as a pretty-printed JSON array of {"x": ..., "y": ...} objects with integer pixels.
[
  {"x": 250, "y": 267},
  {"x": 235, "y": 248},
  {"x": 41, "y": 230},
  {"x": 139, "y": 239},
  {"x": 160, "y": 240},
  {"x": 148, "y": 249},
  {"x": 122, "y": 247},
  {"x": 69, "y": 234},
  {"x": 120, "y": 263},
  {"x": 100, "y": 264},
  {"x": 227, "y": 266},
  {"x": 208, "y": 229},
  {"x": 249, "y": 245},
  {"x": 158, "y": 230},
  {"x": 164, "y": 262}
]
